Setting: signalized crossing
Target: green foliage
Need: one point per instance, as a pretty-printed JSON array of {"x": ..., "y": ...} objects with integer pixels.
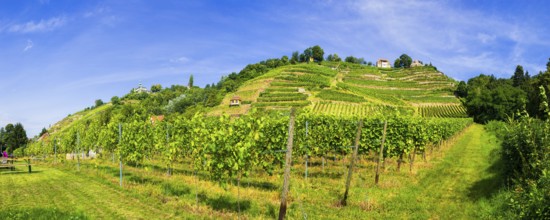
[
  {"x": 334, "y": 58},
  {"x": 461, "y": 90},
  {"x": 156, "y": 88},
  {"x": 493, "y": 99},
  {"x": 190, "y": 83},
  {"x": 13, "y": 137},
  {"x": 404, "y": 61},
  {"x": 352, "y": 59},
  {"x": 526, "y": 149},
  {"x": 115, "y": 100},
  {"x": 98, "y": 103}
]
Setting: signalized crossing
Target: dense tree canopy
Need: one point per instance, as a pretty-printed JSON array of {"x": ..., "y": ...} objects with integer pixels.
[
  {"x": 13, "y": 137},
  {"x": 488, "y": 98},
  {"x": 404, "y": 61}
]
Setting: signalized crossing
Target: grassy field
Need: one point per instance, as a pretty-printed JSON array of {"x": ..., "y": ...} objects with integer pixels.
[{"x": 460, "y": 180}]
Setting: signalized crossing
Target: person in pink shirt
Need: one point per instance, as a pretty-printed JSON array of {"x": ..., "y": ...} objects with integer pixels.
[{"x": 4, "y": 154}]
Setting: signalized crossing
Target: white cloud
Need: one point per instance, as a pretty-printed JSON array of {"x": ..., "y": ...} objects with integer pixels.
[
  {"x": 180, "y": 60},
  {"x": 29, "y": 46},
  {"x": 41, "y": 26}
]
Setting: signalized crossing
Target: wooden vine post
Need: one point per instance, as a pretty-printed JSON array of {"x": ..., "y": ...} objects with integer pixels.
[
  {"x": 352, "y": 163},
  {"x": 78, "y": 150},
  {"x": 120, "y": 157},
  {"x": 307, "y": 157},
  {"x": 288, "y": 161},
  {"x": 55, "y": 150},
  {"x": 381, "y": 156}
]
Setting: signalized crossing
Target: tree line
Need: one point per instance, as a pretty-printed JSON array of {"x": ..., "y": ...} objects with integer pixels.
[{"x": 487, "y": 97}]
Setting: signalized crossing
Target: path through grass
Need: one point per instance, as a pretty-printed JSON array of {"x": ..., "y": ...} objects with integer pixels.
[{"x": 462, "y": 185}]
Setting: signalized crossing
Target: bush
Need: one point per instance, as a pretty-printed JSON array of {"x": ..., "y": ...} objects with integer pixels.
[{"x": 526, "y": 149}]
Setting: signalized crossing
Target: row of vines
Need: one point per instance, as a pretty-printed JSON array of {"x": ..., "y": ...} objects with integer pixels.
[{"x": 227, "y": 146}]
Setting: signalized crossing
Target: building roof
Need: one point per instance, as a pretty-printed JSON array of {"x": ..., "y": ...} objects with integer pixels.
[{"x": 236, "y": 98}]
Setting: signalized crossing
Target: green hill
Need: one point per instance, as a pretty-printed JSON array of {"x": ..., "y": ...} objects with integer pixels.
[
  {"x": 335, "y": 88},
  {"x": 349, "y": 89}
]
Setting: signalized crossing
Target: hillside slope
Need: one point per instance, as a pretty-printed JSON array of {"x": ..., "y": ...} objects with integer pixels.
[{"x": 349, "y": 89}]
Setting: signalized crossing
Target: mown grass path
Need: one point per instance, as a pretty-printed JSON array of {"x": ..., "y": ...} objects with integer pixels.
[{"x": 461, "y": 185}]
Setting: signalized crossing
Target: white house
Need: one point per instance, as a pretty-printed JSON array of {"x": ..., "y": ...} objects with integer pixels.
[
  {"x": 141, "y": 89},
  {"x": 383, "y": 63}
]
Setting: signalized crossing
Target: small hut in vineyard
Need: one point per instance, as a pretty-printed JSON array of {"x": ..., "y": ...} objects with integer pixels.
[{"x": 235, "y": 101}]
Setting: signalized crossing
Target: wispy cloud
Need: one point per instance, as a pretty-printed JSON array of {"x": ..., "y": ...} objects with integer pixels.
[
  {"x": 41, "y": 26},
  {"x": 179, "y": 60},
  {"x": 29, "y": 46}
]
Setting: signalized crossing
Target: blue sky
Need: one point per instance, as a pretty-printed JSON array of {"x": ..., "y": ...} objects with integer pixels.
[{"x": 58, "y": 57}]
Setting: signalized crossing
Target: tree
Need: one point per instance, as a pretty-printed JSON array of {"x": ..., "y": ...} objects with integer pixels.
[
  {"x": 461, "y": 90},
  {"x": 351, "y": 59},
  {"x": 284, "y": 59},
  {"x": 307, "y": 55},
  {"x": 403, "y": 61},
  {"x": 317, "y": 53},
  {"x": 156, "y": 88},
  {"x": 519, "y": 76},
  {"x": 295, "y": 58},
  {"x": 397, "y": 63},
  {"x": 98, "y": 103},
  {"x": 14, "y": 137},
  {"x": 44, "y": 131},
  {"x": 115, "y": 100},
  {"x": 489, "y": 98},
  {"x": 190, "y": 85}
]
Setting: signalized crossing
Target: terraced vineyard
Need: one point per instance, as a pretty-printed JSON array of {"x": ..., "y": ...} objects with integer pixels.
[
  {"x": 289, "y": 86},
  {"x": 345, "y": 109},
  {"x": 443, "y": 111},
  {"x": 346, "y": 89}
]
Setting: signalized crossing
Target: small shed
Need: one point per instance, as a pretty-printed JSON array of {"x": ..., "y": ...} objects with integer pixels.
[{"x": 235, "y": 101}]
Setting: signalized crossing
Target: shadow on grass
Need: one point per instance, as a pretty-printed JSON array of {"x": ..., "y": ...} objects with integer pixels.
[
  {"x": 40, "y": 213},
  {"x": 326, "y": 174},
  {"x": 262, "y": 185},
  {"x": 175, "y": 190},
  {"x": 488, "y": 187},
  {"x": 225, "y": 203},
  {"x": 18, "y": 172},
  {"x": 141, "y": 179}
]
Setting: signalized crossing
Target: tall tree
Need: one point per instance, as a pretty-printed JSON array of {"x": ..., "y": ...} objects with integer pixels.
[
  {"x": 308, "y": 55},
  {"x": 295, "y": 58},
  {"x": 190, "y": 84},
  {"x": 519, "y": 76}
]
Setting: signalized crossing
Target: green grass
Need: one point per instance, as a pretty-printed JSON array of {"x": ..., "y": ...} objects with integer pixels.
[
  {"x": 461, "y": 181},
  {"x": 463, "y": 185}
]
